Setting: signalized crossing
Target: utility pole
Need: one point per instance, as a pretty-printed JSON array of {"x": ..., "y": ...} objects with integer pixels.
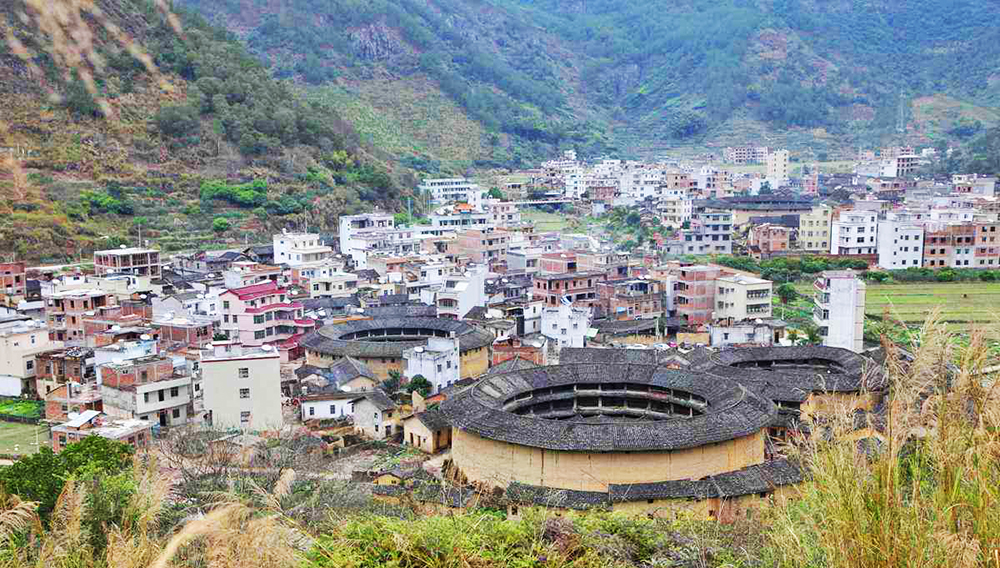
[{"x": 409, "y": 209}]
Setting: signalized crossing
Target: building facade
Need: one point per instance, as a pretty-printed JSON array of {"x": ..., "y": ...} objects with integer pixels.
[
  {"x": 840, "y": 309},
  {"x": 242, "y": 386}
]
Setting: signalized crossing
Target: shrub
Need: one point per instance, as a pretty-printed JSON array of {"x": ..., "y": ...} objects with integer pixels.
[
  {"x": 253, "y": 194},
  {"x": 221, "y": 225}
]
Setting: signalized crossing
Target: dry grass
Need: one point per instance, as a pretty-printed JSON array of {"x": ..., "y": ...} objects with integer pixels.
[{"x": 929, "y": 494}]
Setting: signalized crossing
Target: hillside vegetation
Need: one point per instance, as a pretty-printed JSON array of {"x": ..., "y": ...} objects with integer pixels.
[
  {"x": 211, "y": 136},
  {"x": 609, "y": 76}
]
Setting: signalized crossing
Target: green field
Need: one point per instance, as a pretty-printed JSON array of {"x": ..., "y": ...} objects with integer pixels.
[
  {"x": 22, "y": 436},
  {"x": 545, "y": 221},
  {"x": 964, "y": 306},
  {"x": 25, "y": 408}
]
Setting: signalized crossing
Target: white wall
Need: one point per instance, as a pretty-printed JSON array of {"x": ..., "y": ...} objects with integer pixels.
[
  {"x": 324, "y": 409},
  {"x": 221, "y": 384}
]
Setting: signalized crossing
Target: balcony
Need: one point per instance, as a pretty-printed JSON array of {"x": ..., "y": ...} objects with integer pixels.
[{"x": 820, "y": 284}]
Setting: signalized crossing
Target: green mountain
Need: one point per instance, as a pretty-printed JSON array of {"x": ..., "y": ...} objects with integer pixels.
[
  {"x": 208, "y": 150},
  {"x": 510, "y": 81}
]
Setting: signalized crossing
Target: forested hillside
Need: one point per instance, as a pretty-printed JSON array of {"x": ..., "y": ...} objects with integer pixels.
[
  {"x": 209, "y": 146},
  {"x": 611, "y": 76}
]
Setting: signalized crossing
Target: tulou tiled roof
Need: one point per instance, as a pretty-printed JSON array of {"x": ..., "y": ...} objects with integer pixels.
[
  {"x": 792, "y": 373},
  {"x": 433, "y": 419},
  {"x": 408, "y": 311},
  {"x": 731, "y": 412},
  {"x": 762, "y": 478},
  {"x": 328, "y": 339},
  {"x": 576, "y": 355}
]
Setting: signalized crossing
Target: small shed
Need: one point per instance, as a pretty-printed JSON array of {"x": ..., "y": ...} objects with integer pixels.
[{"x": 428, "y": 431}]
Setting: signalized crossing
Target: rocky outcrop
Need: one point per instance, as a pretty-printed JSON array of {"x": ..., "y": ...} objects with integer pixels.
[{"x": 377, "y": 42}]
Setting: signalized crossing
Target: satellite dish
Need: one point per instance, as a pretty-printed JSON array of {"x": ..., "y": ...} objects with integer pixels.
[
  {"x": 418, "y": 349},
  {"x": 143, "y": 296},
  {"x": 90, "y": 313},
  {"x": 346, "y": 388},
  {"x": 145, "y": 337},
  {"x": 266, "y": 348},
  {"x": 116, "y": 328},
  {"x": 121, "y": 246}
]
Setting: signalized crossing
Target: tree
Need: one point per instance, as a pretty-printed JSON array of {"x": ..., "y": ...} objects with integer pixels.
[
  {"x": 786, "y": 293},
  {"x": 793, "y": 336},
  {"x": 40, "y": 477},
  {"x": 420, "y": 384},
  {"x": 221, "y": 225},
  {"x": 391, "y": 384},
  {"x": 495, "y": 194},
  {"x": 813, "y": 336}
]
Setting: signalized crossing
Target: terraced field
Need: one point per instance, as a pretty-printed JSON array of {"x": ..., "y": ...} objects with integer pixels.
[{"x": 964, "y": 305}]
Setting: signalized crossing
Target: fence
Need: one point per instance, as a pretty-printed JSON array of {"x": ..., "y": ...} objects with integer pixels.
[{"x": 21, "y": 419}]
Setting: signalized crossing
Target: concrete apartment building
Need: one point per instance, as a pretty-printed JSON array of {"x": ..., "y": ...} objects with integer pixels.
[
  {"x": 242, "y": 386},
  {"x": 452, "y": 190},
  {"x": 814, "y": 228},
  {"x": 457, "y": 294},
  {"x": 135, "y": 260},
  {"x": 329, "y": 282},
  {"x": 460, "y": 218},
  {"x": 746, "y": 155},
  {"x": 13, "y": 281},
  {"x": 352, "y": 225},
  {"x": 21, "y": 341},
  {"x": 949, "y": 245},
  {"x": 181, "y": 331},
  {"x": 264, "y": 314},
  {"x": 633, "y": 298},
  {"x": 67, "y": 365},
  {"x": 777, "y": 166},
  {"x": 768, "y": 238},
  {"x": 710, "y": 233},
  {"x": 972, "y": 184},
  {"x": 900, "y": 243},
  {"x": 65, "y": 312},
  {"x": 855, "y": 233},
  {"x": 695, "y": 296},
  {"x": 840, "y": 309},
  {"x": 72, "y": 398},
  {"x": 146, "y": 388},
  {"x": 580, "y": 288},
  {"x": 987, "y": 248},
  {"x": 566, "y": 325},
  {"x": 738, "y": 298},
  {"x": 482, "y": 247},
  {"x": 438, "y": 362},
  {"x": 136, "y": 433},
  {"x": 296, "y": 249},
  {"x": 614, "y": 264}
]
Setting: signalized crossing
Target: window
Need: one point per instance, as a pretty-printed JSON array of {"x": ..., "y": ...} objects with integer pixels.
[
  {"x": 144, "y": 376},
  {"x": 225, "y": 318},
  {"x": 439, "y": 368},
  {"x": 176, "y": 413},
  {"x": 259, "y": 334},
  {"x": 30, "y": 364},
  {"x": 145, "y": 397},
  {"x": 244, "y": 373},
  {"x": 333, "y": 409},
  {"x": 244, "y": 393},
  {"x": 225, "y": 305},
  {"x": 245, "y": 417},
  {"x": 175, "y": 391},
  {"x": 312, "y": 411}
]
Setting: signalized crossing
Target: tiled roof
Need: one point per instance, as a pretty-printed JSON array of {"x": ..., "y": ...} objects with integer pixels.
[
  {"x": 732, "y": 411},
  {"x": 327, "y": 339},
  {"x": 408, "y": 311},
  {"x": 338, "y": 374},
  {"x": 379, "y": 399},
  {"x": 794, "y": 372},
  {"x": 574, "y": 355},
  {"x": 762, "y": 478},
  {"x": 255, "y": 291},
  {"x": 433, "y": 419}
]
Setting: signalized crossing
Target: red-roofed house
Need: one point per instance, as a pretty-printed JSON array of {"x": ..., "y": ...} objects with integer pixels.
[{"x": 264, "y": 314}]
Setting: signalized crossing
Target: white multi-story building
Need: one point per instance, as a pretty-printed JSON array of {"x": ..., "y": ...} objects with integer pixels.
[
  {"x": 566, "y": 325},
  {"x": 351, "y": 225},
  {"x": 840, "y": 309},
  {"x": 438, "y": 362},
  {"x": 974, "y": 184},
  {"x": 854, "y": 233},
  {"x": 900, "y": 242},
  {"x": 296, "y": 249},
  {"x": 738, "y": 298},
  {"x": 458, "y": 293},
  {"x": 777, "y": 167},
  {"x": 453, "y": 190},
  {"x": 242, "y": 386},
  {"x": 21, "y": 339}
]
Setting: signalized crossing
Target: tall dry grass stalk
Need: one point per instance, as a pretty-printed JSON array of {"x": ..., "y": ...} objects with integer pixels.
[
  {"x": 927, "y": 493},
  {"x": 66, "y": 30}
]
